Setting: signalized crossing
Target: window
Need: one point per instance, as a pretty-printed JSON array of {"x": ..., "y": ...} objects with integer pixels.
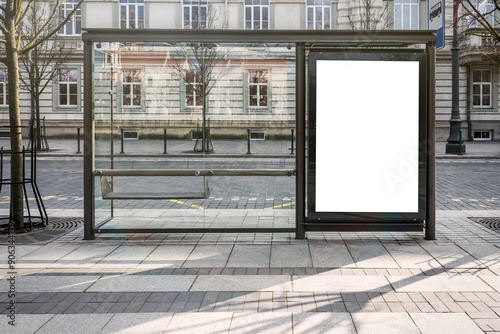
[
  {"x": 132, "y": 88},
  {"x": 74, "y": 25},
  {"x": 195, "y": 14},
  {"x": 481, "y": 88},
  {"x": 483, "y": 135},
  {"x": 68, "y": 87},
  {"x": 132, "y": 14},
  {"x": 4, "y": 93},
  {"x": 406, "y": 14},
  {"x": 257, "y": 14},
  {"x": 485, "y": 8},
  {"x": 318, "y": 14},
  {"x": 194, "y": 88},
  {"x": 257, "y": 87}
]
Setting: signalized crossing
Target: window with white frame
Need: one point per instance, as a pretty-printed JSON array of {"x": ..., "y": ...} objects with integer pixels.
[
  {"x": 74, "y": 25},
  {"x": 68, "y": 87},
  {"x": 257, "y": 14},
  {"x": 318, "y": 14},
  {"x": 485, "y": 8},
  {"x": 4, "y": 92},
  {"x": 257, "y": 89},
  {"x": 482, "y": 88},
  {"x": 131, "y": 88},
  {"x": 195, "y": 14},
  {"x": 406, "y": 14},
  {"x": 194, "y": 89},
  {"x": 132, "y": 14}
]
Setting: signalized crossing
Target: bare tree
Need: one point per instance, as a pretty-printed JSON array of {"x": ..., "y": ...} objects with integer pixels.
[
  {"x": 42, "y": 64},
  {"x": 16, "y": 45},
  {"x": 196, "y": 62},
  {"x": 368, "y": 15},
  {"x": 484, "y": 14}
]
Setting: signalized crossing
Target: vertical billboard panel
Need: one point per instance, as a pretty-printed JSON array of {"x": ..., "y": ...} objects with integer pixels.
[{"x": 366, "y": 133}]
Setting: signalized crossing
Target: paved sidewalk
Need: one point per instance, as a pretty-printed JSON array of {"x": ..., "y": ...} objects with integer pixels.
[
  {"x": 270, "y": 148},
  {"x": 252, "y": 283}
]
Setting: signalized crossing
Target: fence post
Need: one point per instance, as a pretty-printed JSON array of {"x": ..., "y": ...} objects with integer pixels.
[
  {"x": 248, "y": 141},
  {"x": 165, "y": 141},
  {"x": 461, "y": 142},
  {"x": 121, "y": 138},
  {"x": 78, "y": 140}
]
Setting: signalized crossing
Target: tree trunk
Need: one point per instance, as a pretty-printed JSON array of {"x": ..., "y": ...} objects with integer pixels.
[
  {"x": 37, "y": 116},
  {"x": 16, "y": 139}
]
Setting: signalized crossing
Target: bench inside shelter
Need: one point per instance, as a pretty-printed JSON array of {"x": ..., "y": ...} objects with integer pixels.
[{"x": 109, "y": 194}]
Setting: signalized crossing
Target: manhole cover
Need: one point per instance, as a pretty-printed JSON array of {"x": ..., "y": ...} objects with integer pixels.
[
  {"x": 492, "y": 223},
  {"x": 65, "y": 223}
]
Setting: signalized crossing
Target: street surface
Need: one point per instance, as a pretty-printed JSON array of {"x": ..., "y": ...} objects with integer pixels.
[{"x": 466, "y": 184}]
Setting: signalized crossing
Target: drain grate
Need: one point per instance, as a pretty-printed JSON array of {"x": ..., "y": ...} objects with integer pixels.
[
  {"x": 491, "y": 223},
  {"x": 68, "y": 223}
]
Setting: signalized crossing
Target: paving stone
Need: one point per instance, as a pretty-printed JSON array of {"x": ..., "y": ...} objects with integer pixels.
[
  {"x": 242, "y": 283},
  {"x": 150, "y": 323},
  {"x": 437, "y": 283},
  {"x": 125, "y": 257},
  {"x": 142, "y": 283},
  {"x": 250, "y": 256},
  {"x": 261, "y": 323},
  {"x": 384, "y": 323},
  {"x": 172, "y": 256},
  {"x": 25, "y": 323},
  {"x": 45, "y": 283},
  {"x": 284, "y": 256},
  {"x": 200, "y": 323},
  {"x": 370, "y": 254},
  {"x": 322, "y": 323},
  {"x": 75, "y": 323},
  {"x": 319, "y": 283},
  {"x": 208, "y": 256},
  {"x": 445, "y": 323},
  {"x": 330, "y": 256}
]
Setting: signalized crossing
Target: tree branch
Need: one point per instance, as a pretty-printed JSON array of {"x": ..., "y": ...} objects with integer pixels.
[
  {"x": 40, "y": 37},
  {"x": 23, "y": 15}
]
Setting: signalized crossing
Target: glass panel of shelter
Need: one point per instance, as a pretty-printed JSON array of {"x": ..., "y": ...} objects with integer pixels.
[{"x": 151, "y": 104}]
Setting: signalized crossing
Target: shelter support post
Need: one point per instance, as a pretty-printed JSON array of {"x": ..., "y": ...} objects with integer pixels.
[
  {"x": 300, "y": 121},
  {"x": 88, "y": 133},
  {"x": 430, "y": 221}
]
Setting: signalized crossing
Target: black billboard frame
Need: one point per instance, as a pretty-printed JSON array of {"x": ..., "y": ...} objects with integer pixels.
[{"x": 415, "y": 219}]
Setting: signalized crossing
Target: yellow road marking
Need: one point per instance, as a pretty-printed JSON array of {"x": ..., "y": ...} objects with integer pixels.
[
  {"x": 279, "y": 206},
  {"x": 176, "y": 201},
  {"x": 181, "y": 202},
  {"x": 484, "y": 206},
  {"x": 30, "y": 199}
]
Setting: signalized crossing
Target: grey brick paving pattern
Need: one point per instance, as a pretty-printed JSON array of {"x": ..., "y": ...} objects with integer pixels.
[{"x": 451, "y": 283}]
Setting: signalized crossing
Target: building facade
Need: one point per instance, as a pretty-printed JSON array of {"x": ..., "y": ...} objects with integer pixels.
[{"x": 257, "y": 91}]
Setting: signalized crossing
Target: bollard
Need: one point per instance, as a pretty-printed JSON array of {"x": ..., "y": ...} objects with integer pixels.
[
  {"x": 165, "y": 141},
  {"x": 78, "y": 140},
  {"x": 461, "y": 141},
  {"x": 292, "y": 144},
  {"x": 121, "y": 137},
  {"x": 248, "y": 141}
]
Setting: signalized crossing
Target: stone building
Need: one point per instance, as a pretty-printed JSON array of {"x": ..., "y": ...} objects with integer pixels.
[{"x": 249, "y": 93}]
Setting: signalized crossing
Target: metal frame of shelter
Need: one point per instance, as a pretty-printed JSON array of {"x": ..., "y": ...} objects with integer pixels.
[{"x": 303, "y": 40}]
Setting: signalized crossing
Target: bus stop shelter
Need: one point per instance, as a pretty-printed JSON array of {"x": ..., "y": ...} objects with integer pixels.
[{"x": 219, "y": 84}]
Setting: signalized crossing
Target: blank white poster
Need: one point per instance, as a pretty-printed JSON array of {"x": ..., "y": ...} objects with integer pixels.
[{"x": 367, "y": 136}]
